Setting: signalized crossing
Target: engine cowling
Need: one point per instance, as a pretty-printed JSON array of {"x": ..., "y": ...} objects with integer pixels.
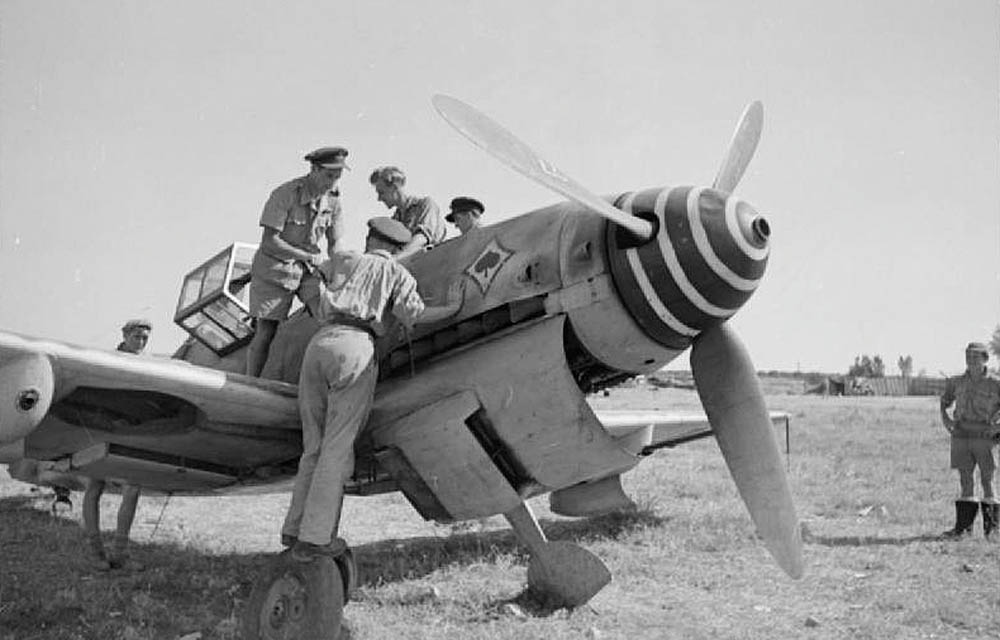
[{"x": 26, "y": 387}]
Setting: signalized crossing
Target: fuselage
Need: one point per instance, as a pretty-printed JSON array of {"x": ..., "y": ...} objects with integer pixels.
[{"x": 557, "y": 303}]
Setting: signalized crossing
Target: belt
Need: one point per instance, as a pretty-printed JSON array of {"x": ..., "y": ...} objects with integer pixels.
[{"x": 351, "y": 321}]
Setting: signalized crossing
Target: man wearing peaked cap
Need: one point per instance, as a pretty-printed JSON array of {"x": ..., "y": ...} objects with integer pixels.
[
  {"x": 465, "y": 213},
  {"x": 329, "y": 157},
  {"x": 389, "y": 229},
  {"x": 339, "y": 369},
  {"x": 299, "y": 218},
  {"x": 974, "y": 432}
]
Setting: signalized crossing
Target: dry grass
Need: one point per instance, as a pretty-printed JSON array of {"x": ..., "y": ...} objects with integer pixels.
[{"x": 869, "y": 475}]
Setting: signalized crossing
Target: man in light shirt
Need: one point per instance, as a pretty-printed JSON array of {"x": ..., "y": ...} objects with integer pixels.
[{"x": 339, "y": 372}]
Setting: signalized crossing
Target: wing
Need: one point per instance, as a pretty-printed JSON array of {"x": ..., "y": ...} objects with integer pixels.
[
  {"x": 158, "y": 422},
  {"x": 639, "y": 433}
]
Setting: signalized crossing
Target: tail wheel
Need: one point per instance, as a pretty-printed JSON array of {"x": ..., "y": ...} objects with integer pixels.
[{"x": 296, "y": 601}]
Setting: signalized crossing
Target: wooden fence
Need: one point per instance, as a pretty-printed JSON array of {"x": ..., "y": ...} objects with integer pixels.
[{"x": 927, "y": 386}]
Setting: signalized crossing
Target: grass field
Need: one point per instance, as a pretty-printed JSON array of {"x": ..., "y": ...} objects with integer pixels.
[{"x": 869, "y": 476}]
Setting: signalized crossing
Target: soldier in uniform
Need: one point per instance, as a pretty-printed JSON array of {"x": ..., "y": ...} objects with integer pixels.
[
  {"x": 339, "y": 371},
  {"x": 420, "y": 215},
  {"x": 465, "y": 213},
  {"x": 976, "y": 396},
  {"x": 135, "y": 336},
  {"x": 296, "y": 218}
]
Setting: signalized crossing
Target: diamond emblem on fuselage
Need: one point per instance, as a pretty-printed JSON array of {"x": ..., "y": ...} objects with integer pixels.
[{"x": 488, "y": 264}]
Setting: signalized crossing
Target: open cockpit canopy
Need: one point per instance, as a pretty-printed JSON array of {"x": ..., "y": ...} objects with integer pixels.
[{"x": 214, "y": 301}]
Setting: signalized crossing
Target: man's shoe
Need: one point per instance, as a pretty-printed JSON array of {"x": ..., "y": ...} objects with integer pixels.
[{"x": 307, "y": 552}]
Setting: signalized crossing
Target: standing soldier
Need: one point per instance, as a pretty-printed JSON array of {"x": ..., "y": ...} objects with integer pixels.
[
  {"x": 135, "y": 336},
  {"x": 420, "y": 215},
  {"x": 976, "y": 396},
  {"x": 297, "y": 216},
  {"x": 338, "y": 377},
  {"x": 465, "y": 213}
]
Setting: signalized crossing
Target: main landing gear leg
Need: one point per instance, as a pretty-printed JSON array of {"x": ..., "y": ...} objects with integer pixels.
[
  {"x": 564, "y": 573},
  {"x": 294, "y": 600}
]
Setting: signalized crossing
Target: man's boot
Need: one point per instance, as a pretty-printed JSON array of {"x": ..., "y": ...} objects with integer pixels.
[
  {"x": 991, "y": 514},
  {"x": 965, "y": 516},
  {"x": 119, "y": 555},
  {"x": 96, "y": 558}
]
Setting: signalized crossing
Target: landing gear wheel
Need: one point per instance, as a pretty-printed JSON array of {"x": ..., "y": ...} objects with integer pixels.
[
  {"x": 296, "y": 601},
  {"x": 348, "y": 573}
]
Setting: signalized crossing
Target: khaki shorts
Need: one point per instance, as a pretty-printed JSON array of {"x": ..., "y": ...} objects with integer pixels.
[
  {"x": 274, "y": 284},
  {"x": 966, "y": 453}
]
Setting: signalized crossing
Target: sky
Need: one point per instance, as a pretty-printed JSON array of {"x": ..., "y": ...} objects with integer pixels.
[{"x": 137, "y": 139}]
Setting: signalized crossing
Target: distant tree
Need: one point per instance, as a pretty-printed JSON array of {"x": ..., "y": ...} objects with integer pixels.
[
  {"x": 867, "y": 367},
  {"x": 861, "y": 367},
  {"x": 905, "y": 366},
  {"x": 878, "y": 367},
  {"x": 995, "y": 342}
]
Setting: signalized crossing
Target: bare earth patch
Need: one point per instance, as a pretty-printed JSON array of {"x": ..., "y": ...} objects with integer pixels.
[{"x": 870, "y": 478}]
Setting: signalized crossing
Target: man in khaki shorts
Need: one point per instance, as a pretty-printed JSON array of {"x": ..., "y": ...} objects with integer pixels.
[
  {"x": 973, "y": 429},
  {"x": 296, "y": 218}
]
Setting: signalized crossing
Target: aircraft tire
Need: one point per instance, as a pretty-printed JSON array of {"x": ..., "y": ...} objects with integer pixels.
[{"x": 296, "y": 601}]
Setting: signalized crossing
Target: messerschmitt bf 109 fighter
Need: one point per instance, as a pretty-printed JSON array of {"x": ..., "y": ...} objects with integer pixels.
[{"x": 473, "y": 415}]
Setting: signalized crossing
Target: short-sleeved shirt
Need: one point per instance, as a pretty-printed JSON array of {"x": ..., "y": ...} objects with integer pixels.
[
  {"x": 422, "y": 215},
  {"x": 300, "y": 215},
  {"x": 976, "y": 400},
  {"x": 361, "y": 286},
  {"x": 301, "y": 218}
]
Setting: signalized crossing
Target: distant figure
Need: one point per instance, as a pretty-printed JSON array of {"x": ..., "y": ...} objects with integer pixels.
[
  {"x": 338, "y": 377},
  {"x": 296, "y": 218},
  {"x": 465, "y": 213},
  {"x": 976, "y": 396},
  {"x": 420, "y": 215},
  {"x": 135, "y": 336}
]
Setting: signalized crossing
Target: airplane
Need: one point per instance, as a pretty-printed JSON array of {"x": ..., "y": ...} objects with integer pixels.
[{"x": 472, "y": 415}]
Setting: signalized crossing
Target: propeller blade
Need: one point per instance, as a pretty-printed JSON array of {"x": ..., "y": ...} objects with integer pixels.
[
  {"x": 730, "y": 392},
  {"x": 741, "y": 148},
  {"x": 493, "y": 138}
]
